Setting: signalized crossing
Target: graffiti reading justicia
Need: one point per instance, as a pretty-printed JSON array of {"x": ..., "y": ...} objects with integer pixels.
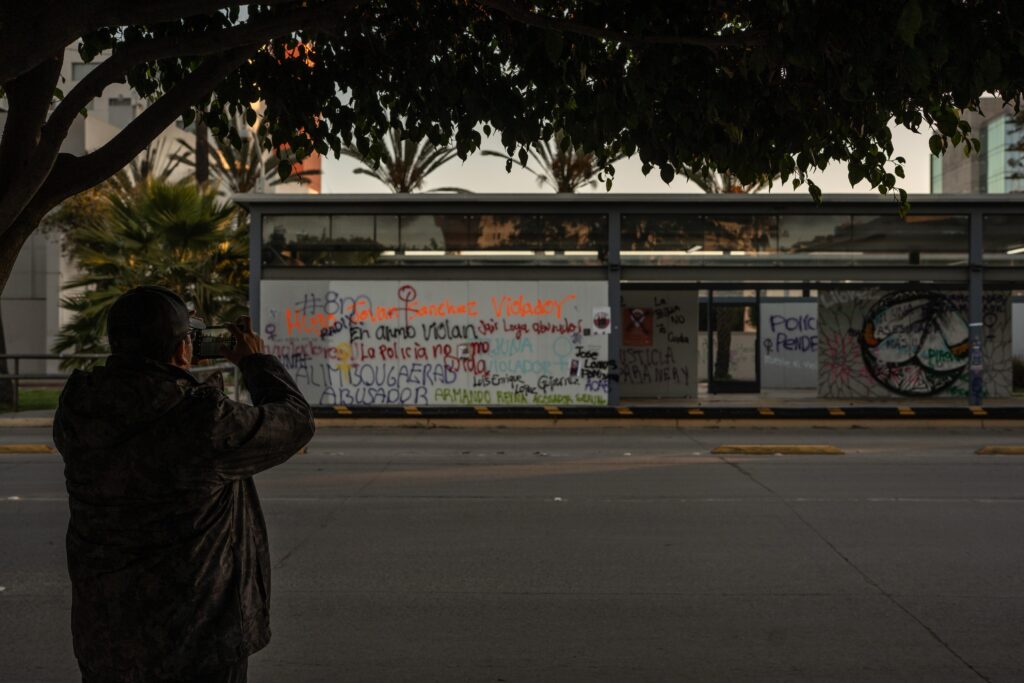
[{"x": 437, "y": 342}]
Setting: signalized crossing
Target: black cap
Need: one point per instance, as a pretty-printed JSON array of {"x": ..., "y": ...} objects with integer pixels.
[{"x": 147, "y": 321}]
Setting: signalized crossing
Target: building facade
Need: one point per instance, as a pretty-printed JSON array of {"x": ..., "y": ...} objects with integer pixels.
[{"x": 995, "y": 169}]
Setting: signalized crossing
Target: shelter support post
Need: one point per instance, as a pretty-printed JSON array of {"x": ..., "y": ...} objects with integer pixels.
[
  {"x": 255, "y": 265},
  {"x": 975, "y": 307},
  {"x": 615, "y": 303}
]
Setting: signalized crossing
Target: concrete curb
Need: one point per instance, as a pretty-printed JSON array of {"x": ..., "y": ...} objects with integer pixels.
[
  {"x": 660, "y": 416},
  {"x": 554, "y": 423},
  {"x": 26, "y": 422},
  {"x": 777, "y": 449},
  {"x": 767, "y": 414},
  {"x": 1001, "y": 450}
]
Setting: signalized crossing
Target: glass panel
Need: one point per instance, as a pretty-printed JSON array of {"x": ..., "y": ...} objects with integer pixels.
[
  {"x": 814, "y": 233},
  {"x": 501, "y": 232},
  {"x": 812, "y": 239},
  {"x": 1014, "y": 170},
  {"x": 1003, "y": 239},
  {"x": 663, "y": 233},
  {"x": 284, "y": 238},
  {"x": 522, "y": 239},
  {"x": 573, "y": 232},
  {"x": 995, "y": 155},
  {"x": 936, "y": 163},
  {"x": 421, "y": 233},
  {"x": 697, "y": 237},
  {"x": 914, "y": 234},
  {"x": 747, "y": 234},
  {"x": 317, "y": 240},
  {"x": 355, "y": 229}
]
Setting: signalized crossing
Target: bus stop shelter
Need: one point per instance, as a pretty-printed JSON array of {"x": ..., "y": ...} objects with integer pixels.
[{"x": 617, "y": 300}]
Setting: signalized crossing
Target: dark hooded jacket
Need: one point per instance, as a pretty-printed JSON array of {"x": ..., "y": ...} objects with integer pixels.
[{"x": 167, "y": 547}]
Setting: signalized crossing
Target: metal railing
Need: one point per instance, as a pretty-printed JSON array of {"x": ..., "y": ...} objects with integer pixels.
[{"x": 16, "y": 376}]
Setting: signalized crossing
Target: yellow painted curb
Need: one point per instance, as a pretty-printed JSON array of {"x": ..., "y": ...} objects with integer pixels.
[
  {"x": 26, "y": 448},
  {"x": 772, "y": 449},
  {"x": 1001, "y": 450}
]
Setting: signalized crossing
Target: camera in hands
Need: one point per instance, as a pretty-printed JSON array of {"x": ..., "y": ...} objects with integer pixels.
[{"x": 210, "y": 342}]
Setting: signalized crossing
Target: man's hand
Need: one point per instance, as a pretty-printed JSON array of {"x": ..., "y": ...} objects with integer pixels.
[{"x": 246, "y": 341}]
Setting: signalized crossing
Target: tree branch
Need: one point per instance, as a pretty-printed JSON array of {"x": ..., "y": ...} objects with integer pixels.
[
  {"x": 132, "y": 12},
  {"x": 73, "y": 174},
  {"x": 28, "y": 97},
  {"x": 29, "y": 30},
  {"x": 527, "y": 17},
  {"x": 113, "y": 69}
]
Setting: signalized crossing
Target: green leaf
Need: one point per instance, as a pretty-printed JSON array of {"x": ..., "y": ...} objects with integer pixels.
[
  {"x": 667, "y": 173},
  {"x": 935, "y": 145},
  {"x": 553, "y": 45},
  {"x": 284, "y": 169},
  {"x": 909, "y": 22},
  {"x": 814, "y": 190}
]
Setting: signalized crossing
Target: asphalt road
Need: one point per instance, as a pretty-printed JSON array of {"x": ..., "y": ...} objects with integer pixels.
[{"x": 598, "y": 555}]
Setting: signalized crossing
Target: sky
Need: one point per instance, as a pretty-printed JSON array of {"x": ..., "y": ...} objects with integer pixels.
[{"x": 487, "y": 174}]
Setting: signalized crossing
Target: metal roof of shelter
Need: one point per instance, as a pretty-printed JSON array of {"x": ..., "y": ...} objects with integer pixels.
[{"x": 797, "y": 203}]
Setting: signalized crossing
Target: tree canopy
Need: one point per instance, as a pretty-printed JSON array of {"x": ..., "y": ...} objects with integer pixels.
[{"x": 760, "y": 88}]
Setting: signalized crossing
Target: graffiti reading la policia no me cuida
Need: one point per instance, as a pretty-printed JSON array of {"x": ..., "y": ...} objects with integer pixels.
[{"x": 416, "y": 350}]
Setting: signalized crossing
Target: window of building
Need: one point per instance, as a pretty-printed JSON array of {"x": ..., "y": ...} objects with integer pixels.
[
  {"x": 995, "y": 155},
  {"x": 121, "y": 112},
  {"x": 936, "y": 186},
  {"x": 79, "y": 70},
  {"x": 1014, "y": 156}
]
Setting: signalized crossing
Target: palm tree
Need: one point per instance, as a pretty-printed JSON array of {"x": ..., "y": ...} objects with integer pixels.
[
  {"x": 562, "y": 167},
  {"x": 404, "y": 164},
  {"x": 89, "y": 206},
  {"x": 722, "y": 182},
  {"x": 179, "y": 235},
  {"x": 246, "y": 164}
]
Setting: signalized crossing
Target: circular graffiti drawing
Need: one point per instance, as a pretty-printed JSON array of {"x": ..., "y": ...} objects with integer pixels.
[
  {"x": 915, "y": 343},
  {"x": 406, "y": 293}
]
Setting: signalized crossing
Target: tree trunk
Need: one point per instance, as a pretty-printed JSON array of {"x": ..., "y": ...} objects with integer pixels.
[
  {"x": 6, "y": 385},
  {"x": 11, "y": 243},
  {"x": 202, "y": 152}
]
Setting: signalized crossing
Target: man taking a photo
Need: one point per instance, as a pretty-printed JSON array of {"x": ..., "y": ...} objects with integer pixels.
[{"x": 167, "y": 546}]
